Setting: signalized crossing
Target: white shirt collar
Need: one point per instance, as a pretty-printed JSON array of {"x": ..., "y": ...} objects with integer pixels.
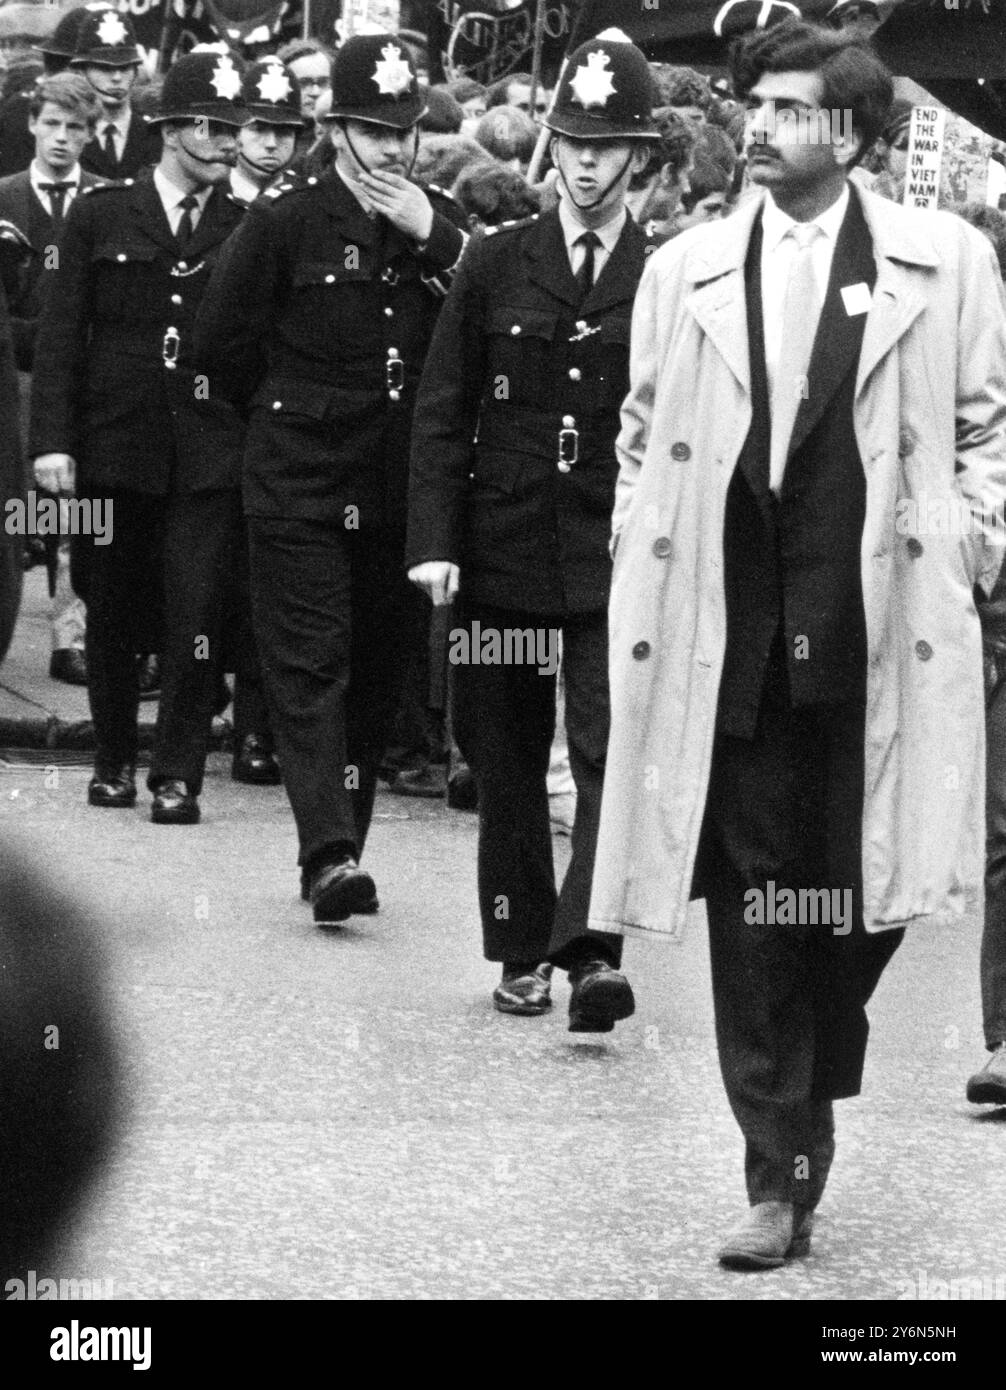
[
  {"x": 171, "y": 195},
  {"x": 607, "y": 234},
  {"x": 776, "y": 223},
  {"x": 121, "y": 123},
  {"x": 243, "y": 187},
  {"x": 38, "y": 177}
]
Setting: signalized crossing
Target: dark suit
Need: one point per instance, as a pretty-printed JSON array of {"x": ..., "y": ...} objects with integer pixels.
[
  {"x": 142, "y": 150},
  {"x": 318, "y": 324},
  {"x": 515, "y": 355},
  {"x": 786, "y": 790},
  {"x": 145, "y": 435}
]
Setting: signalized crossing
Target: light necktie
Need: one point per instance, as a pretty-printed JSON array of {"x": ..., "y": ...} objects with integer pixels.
[
  {"x": 111, "y": 153},
  {"x": 799, "y": 326},
  {"x": 57, "y": 198},
  {"x": 585, "y": 275},
  {"x": 185, "y": 226}
]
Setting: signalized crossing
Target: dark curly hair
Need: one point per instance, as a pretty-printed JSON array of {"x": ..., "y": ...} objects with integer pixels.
[
  {"x": 853, "y": 77},
  {"x": 493, "y": 193},
  {"x": 675, "y": 147}
]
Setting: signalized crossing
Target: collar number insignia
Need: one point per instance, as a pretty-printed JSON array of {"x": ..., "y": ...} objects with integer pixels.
[
  {"x": 392, "y": 73},
  {"x": 591, "y": 85}
]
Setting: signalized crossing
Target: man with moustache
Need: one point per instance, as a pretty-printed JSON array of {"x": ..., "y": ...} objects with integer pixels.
[
  {"x": 107, "y": 56},
  {"x": 530, "y": 361},
  {"x": 796, "y": 671},
  {"x": 119, "y": 414},
  {"x": 318, "y": 324}
]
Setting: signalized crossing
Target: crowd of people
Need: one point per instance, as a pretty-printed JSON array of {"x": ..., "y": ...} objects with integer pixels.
[{"x": 393, "y": 402}]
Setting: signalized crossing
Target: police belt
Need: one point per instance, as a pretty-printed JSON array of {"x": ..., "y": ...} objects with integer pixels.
[
  {"x": 567, "y": 439},
  {"x": 152, "y": 344}
]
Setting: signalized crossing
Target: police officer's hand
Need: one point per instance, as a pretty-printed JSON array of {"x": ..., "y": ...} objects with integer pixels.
[
  {"x": 56, "y": 473},
  {"x": 438, "y": 578},
  {"x": 403, "y": 203}
]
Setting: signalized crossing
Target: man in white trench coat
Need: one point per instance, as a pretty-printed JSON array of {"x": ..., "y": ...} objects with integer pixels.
[{"x": 812, "y": 469}]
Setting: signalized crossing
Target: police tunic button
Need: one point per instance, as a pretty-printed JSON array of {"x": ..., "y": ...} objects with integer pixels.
[
  {"x": 662, "y": 547},
  {"x": 680, "y": 452},
  {"x": 277, "y": 405},
  {"x": 568, "y": 422},
  {"x": 923, "y": 651},
  {"x": 395, "y": 395},
  {"x": 906, "y": 443},
  {"x": 515, "y": 330},
  {"x": 914, "y": 547},
  {"x": 182, "y": 265},
  {"x": 389, "y": 313},
  {"x": 575, "y": 373},
  {"x": 176, "y": 299},
  {"x": 641, "y": 651},
  {"x": 121, "y": 256}
]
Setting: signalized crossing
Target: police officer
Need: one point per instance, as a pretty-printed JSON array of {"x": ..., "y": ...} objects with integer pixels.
[
  {"x": 116, "y": 401},
  {"x": 319, "y": 321},
  {"x": 530, "y": 360},
  {"x": 266, "y": 143},
  {"x": 107, "y": 55}
]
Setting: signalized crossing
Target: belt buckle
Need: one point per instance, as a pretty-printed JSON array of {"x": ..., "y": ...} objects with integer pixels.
[
  {"x": 569, "y": 444},
  {"x": 169, "y": 349},
  {"x": 394, "y": 374}
]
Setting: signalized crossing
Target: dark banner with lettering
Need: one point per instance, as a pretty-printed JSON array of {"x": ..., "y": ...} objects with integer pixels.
[{"x": 488, "y": 40}]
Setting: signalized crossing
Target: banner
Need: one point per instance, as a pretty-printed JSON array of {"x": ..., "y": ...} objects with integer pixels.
[
  {"x": 487, "y": 40},
  {"x": 925, "y": 156}
]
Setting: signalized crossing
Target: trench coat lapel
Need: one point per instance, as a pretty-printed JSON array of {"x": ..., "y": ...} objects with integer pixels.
[{"x": 718, "y": 301}]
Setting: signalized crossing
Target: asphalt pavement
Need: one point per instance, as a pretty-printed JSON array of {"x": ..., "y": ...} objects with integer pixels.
[{"x": 342, "y": 1114}]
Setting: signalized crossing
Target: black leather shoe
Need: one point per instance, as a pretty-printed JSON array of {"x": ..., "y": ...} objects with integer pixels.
[
  {"x": 148, "y": 673},
  {"x": 255, "y": 762},
  {"x": 524, "y": 992},
  {"x": 988, "y": 1086},
  {"x": 601, "y": 996},
  {"x": 371, "y": 909},
  {"x": 68, "y": 664},
  {"x": 338, "y": 891},
  {"x": 114, "y": 787},
  {"x": 462, "y": 792},
  {"x": 174, "y": 804},
  {"x": 429, "y": 781}
]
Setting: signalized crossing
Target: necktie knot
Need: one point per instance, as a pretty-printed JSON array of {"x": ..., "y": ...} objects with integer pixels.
[
  {"x": 805, "y": 234},
  {"x": 57, "y": 192},
  {"x": 189, "y": 202}
]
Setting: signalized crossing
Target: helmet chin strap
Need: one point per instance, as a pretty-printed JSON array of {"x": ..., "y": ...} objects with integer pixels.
[
  {"x": 588, "y": 207},
  {"x": 229, "y": 160},
  {"x": 363, "y": 163}
]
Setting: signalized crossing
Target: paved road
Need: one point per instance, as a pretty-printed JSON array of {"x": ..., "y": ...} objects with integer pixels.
[{"x": 342, "y": 1114}]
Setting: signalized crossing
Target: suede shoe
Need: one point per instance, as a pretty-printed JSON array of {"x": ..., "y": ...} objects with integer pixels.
[
  {"x": 174, "y": 804},
  {"x": 988, "y": 1086},
  {"x": 339, "y": 890},
  {"x": 255, "y": 763},
  {"x": 601, "y": 996},
  {"x": 764, "y": 1239},
  {"x": 524, "y": 992},
  {"x": 113, "y": 787}
]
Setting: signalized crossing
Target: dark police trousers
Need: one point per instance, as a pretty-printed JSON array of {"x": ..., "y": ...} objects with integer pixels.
[
  {"x": 993, "y": 957},
  {"x": 785, "y": 809},
  {"x": 172, "y": 556},
  {"x": 333, "y": 613},
  {"x": 504, "y": 721}
]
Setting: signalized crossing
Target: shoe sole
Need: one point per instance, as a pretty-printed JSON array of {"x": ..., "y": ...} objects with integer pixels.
[
  {"x": 344, "y": 898},
  {"x": 174, "y": 817},
  {"x": 987, "y": 1093},
  {"x": 370, "y": 910},
  {"x": 602, "y": 1005},
  {"x": 521, "y": 1007},
  {"x": 270, "y": 781},
  {"x": 747, "y": 1260},
  {"x": 124, "y": 805}
]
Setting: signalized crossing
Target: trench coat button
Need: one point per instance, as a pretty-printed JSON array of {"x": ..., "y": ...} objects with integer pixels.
[
  {"x": 641, "y": 651},
  {"x": 329, "y": 279},
  {"x": 680, "y": 452},
  {"x": 176, "y": 299},
  {"x": 662, "y": 547},
  {"x": 914, "y": 547},
  {"x": 923, "y": 651},
  {"x": 515, "y": 330},
  {"x": 906, "y": 442},
  {"x": 575, "y": 373},
  {"x": 277, "y": 405}
]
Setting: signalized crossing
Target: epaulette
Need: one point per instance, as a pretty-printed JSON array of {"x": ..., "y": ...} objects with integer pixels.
[
  {"x": 292, "y": 183},
  {"x": 512, "y": 225},
  {"x": 116, "y": 184}
]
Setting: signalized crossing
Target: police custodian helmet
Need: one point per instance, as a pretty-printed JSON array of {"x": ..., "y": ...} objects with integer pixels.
[
  {"x": 268, "y": 93},
  {"x": 374, "y": 79},
  {"x": 202, "y": 86},
  {"x": 105, "y": 37},
  {"x": 606, "y": 93}
]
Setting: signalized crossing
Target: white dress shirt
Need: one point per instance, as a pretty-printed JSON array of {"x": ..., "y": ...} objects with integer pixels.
[
  {"x": 607, "y": 236},
  {"x": 37, "y": 177},
  {"x": 121, "y": 135},
  {"x": 776, "y": 255},
  {"x": 171, "y": 199}
]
